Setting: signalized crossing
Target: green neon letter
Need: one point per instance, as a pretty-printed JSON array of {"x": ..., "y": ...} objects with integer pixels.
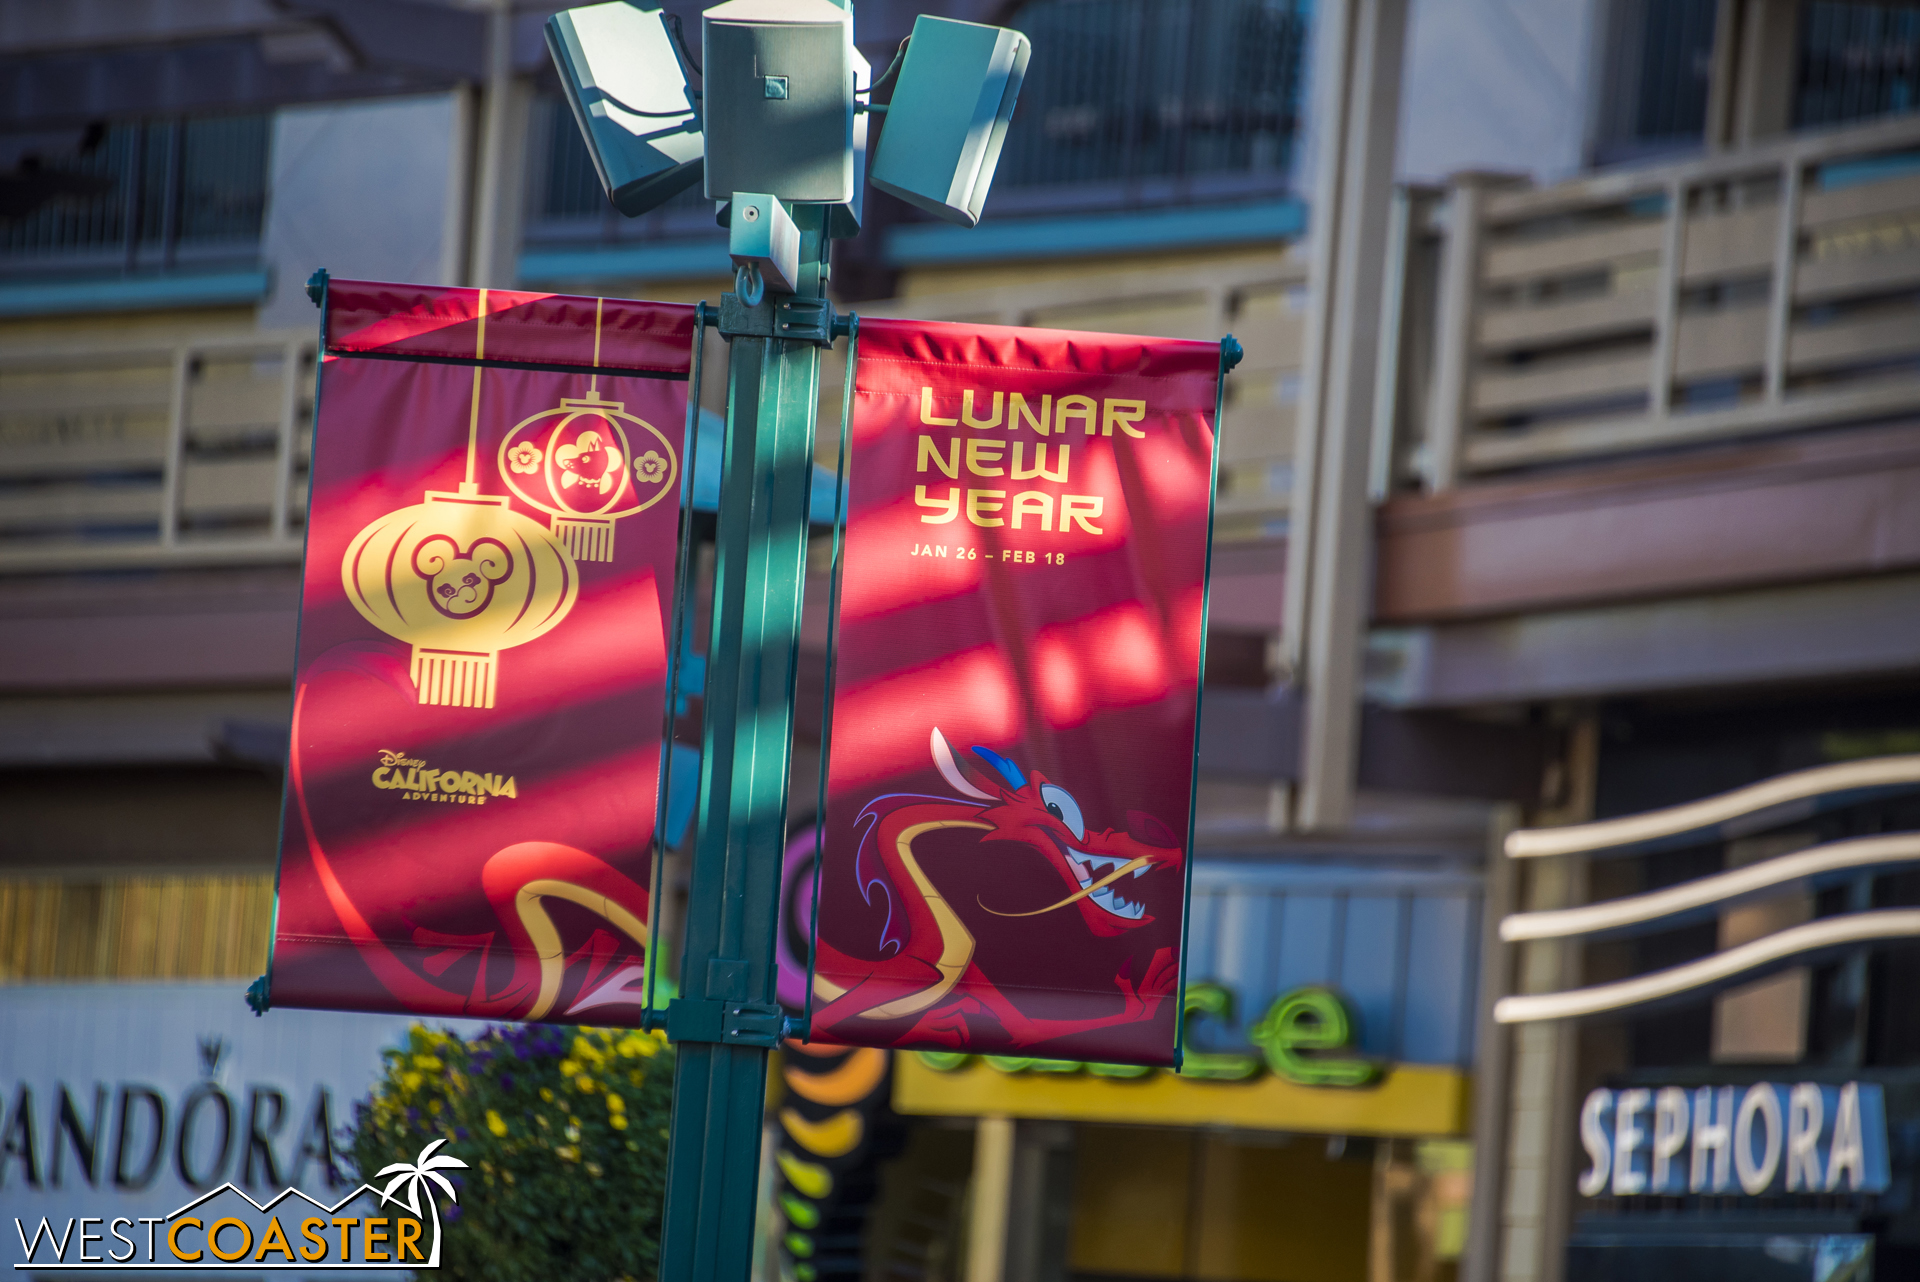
[{"x": 1310, "y": 1020}]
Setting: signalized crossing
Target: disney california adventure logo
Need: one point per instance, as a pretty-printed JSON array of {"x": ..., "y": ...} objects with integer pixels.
[
  {"x": 227, "y": 1229},
  {"x": 416, "y": 781}
]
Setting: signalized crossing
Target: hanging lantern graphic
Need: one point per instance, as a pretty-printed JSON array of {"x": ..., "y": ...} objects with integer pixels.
[
  {"x": 460, "y": 577},
  {"x": 588, "y": 463}
]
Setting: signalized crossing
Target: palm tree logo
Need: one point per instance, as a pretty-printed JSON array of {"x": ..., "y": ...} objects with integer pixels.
[{"x": 416, "y": 1175}]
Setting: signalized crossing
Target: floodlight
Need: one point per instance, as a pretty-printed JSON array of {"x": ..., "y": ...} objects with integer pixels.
[
  {"x": 777, "y": 103},
  {"x": 627, "y": 85},
  {"x": 949, "y": 114}
]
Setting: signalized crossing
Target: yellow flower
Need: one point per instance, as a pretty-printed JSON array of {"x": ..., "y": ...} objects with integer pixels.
[
  {"x": 583, "y": 1084},
  {"x": 615, "y": 1104},
  {"x": 496, "y": 1123},
  {"x": 433, "y": 1107},
  {"x": 427, "y": 1062},
  {"x": 618, "y": 1121},
  {"x": 411, "y": 1081},
  {"x": 569, "y": 1067},
  {"x": 546, "y": 1094}
]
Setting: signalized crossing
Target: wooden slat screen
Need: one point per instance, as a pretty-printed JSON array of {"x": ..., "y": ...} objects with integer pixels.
[{"x": 184, "y": 927}]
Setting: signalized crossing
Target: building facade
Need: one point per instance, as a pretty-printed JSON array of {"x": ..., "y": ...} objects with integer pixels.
[{"x": 1567, "y": 477}]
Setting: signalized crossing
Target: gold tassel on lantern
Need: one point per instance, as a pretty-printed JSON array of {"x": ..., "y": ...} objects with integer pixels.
[
  {"x": 587, "y": 540},
  {"x": 454, "y": 678}
]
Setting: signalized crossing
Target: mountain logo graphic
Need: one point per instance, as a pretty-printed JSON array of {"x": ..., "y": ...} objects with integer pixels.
[{"x": 263, "y": 1236}]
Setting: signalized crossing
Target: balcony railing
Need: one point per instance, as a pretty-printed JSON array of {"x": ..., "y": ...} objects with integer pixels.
[
  {"x": 147, "y": 454},
  {"x": 1760, "y": 291}
]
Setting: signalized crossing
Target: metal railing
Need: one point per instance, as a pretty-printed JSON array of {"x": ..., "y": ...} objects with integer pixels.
[
  {"x": 150, "y": 194},
  {"x": 155, "y": 453},
  {"x": 1154, "y": 101},
  {"x": 1857, "y": 61},
  {"x": 1658, "y": 60},
  {"x": 1766, "y": 290}
]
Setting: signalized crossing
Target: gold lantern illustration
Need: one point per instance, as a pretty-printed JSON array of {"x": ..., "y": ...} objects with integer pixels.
[
  {"x": 460, "y": 576},
  {"x": 588, "y": 463}
]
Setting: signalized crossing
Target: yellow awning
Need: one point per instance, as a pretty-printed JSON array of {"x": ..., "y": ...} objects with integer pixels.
[{"x": 1412, "y": 1099}]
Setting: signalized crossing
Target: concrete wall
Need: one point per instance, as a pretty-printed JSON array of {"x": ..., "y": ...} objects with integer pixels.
[
  {"x": 1497, "y": 85},
  {"x": 373, "y": 190}
]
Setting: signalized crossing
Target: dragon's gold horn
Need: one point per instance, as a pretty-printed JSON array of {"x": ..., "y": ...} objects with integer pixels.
[{"x": 950, "y": 769}]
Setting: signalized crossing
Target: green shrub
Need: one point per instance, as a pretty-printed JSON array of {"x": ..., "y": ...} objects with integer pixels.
[{"x": 564, "y": 1132}]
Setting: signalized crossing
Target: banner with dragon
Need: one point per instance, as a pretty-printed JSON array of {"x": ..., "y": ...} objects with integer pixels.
[
  {"x": 480, "y": 684},
  {"x": 1016, "y": 692}
]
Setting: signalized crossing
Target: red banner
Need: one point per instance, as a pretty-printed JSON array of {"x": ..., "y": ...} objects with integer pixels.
[
  {"x": 1016, "y": 692},
  {"x": 481, "y": 677}
]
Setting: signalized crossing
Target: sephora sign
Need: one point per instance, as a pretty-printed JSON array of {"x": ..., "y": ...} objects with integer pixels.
[{"x": 1767, "y": 1138}]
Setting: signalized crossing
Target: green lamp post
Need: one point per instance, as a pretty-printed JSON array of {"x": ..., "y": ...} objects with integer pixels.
[{"x": 777, "y": 132}]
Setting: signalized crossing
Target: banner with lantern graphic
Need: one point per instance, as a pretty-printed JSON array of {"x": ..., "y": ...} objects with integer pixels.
[
  {"x": 1016, "y": 691},
  {"x": 481, "y": 679}
]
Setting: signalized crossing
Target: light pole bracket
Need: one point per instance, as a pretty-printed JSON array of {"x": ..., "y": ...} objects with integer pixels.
[
  {"x": 788, "y": 316},
  {"x": 734, "y": 1023}
]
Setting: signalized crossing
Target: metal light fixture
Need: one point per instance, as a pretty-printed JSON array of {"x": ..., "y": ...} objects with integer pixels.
[
  {"x": 780, "y": 119},
  {"x": 948, "y": 119},
  {"x": 626, "y": 81}
]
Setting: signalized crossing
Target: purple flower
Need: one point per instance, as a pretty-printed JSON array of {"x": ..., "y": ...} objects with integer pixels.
[
  {"x": 413, "y": 1116},
  {"x": 453, "y": 1212},
  {"x": 506, "y": 1081},
  {"x": 459, "y": 1133}
]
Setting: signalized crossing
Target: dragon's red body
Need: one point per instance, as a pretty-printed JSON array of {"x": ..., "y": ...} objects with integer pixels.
[{"x": 933, "y": 981}]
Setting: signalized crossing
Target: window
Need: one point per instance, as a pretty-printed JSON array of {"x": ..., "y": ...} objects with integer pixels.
[
  {"x": 151, "y": 194},
  {"x": 1659, "y": 58},
  {"x": 1143, "y": 102},
  {"x": 1857, "y": 61},
  {"x": 570, "y": 206}
]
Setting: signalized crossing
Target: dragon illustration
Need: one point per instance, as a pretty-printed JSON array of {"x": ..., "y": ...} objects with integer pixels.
[{"x": 934, "y": 974}]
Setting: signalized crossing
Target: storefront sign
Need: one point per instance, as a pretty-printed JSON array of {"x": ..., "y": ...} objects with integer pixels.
[
  {"x": 1016, "y": 691},
  {"x": 1762, "y": 1139},
  {"x": 121, "y": 1104},
  {"x": 1301, "y": 1039},
  {"x": 482, "y": 662}
]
